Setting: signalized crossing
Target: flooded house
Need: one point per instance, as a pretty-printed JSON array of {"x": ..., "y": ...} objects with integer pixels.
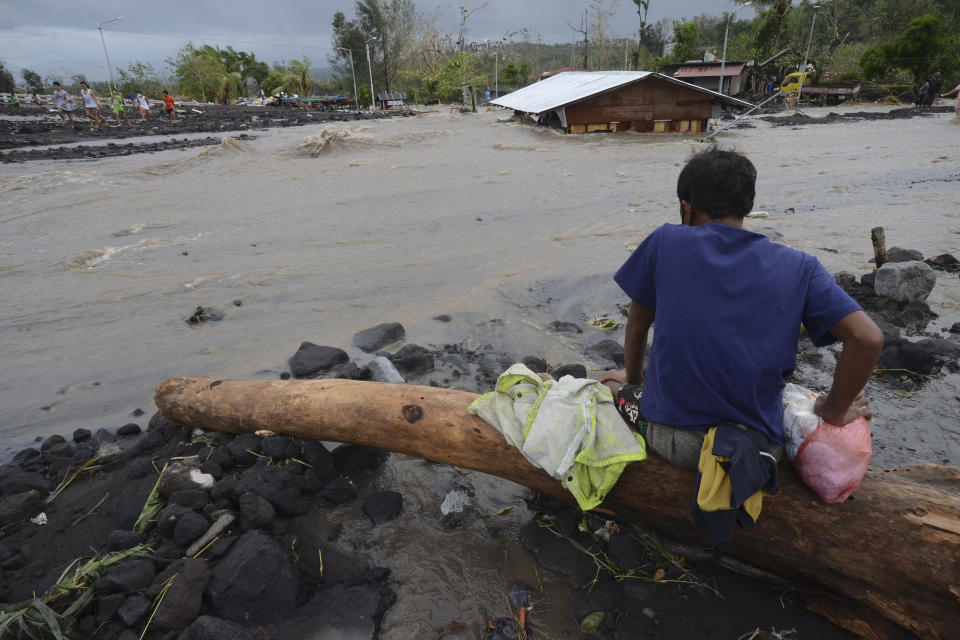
[
  {"x": 706, "y": 74},
  {"x": 588, "y": 101}
]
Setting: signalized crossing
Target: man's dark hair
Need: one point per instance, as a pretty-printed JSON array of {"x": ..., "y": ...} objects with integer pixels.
[
  {"x": 56, "y": 84},
  {"x": 719, "y": 183}
]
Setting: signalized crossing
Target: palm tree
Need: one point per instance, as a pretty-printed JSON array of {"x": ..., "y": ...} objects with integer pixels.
[
  {"x": 301, "y": 71},
  {"x": 229, "y": 83},
  {"x": 775, "y": 11}
]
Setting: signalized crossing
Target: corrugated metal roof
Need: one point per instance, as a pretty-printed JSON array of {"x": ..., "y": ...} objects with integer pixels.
[
  {"x": 564, "y": 88},
  {"x": 712, "y": 71},
  {"x": 574, "y": 86}
]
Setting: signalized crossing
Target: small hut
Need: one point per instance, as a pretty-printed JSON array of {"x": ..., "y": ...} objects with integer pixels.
[{"x": 587, "y": 101}]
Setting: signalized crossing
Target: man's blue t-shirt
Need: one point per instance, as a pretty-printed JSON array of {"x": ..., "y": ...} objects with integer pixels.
[{"x": 728, "y": 307}]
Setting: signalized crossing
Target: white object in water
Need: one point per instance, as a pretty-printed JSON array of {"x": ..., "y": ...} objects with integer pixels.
[
  {"x": 384, "y": 371},
  {"x": 758, "y": 214},
  {"x": 39, "y": 519}
]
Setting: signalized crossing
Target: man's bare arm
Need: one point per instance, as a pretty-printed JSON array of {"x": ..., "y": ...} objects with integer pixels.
[
  {"x": 639, "y": 321},
  {"x": 862, "y": 341}
]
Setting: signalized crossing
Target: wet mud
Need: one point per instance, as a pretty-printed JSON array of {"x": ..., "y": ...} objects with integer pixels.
[
  {"x": 801, "y": 118},
  {"x": 32, "y": 126}
]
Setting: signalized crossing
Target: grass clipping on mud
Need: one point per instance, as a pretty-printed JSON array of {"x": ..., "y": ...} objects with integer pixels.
[{"x": 36, "y": 618}]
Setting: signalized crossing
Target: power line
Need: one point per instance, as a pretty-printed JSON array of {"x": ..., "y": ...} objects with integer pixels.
[{"x": 179, "y": 36}]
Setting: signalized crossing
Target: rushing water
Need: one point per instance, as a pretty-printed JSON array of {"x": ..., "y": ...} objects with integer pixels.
[{"x": 317, "y": 232}]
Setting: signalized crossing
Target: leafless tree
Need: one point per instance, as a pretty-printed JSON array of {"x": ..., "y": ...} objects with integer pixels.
[
  {"x": 583, "y": 30},
  {"x": 600, "y": 13}
]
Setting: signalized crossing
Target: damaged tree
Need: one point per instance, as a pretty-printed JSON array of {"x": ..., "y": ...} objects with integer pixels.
[{"x": 891, "y": 555}]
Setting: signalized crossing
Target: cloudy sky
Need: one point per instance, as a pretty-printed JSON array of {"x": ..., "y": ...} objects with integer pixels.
[{"x": 61, "y": 37}]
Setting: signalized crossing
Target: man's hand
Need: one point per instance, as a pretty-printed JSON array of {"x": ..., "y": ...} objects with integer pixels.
[
  {"x": 862, "y": 341},
  {"x": 859, "y": 408},
  {"x": 614, "y": 375}
]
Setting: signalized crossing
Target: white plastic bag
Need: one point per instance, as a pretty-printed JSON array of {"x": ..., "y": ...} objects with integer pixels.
[{"x": 799, "y": 420}]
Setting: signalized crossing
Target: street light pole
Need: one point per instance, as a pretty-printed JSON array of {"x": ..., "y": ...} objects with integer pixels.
[
  {"x": 356, "y": 102},
  {"x": 373, "y": 96},
  {"x": 803, "y": 71},
  {"x": 104, "y": 43},
  {"x": 496, "y": 74},
  {"x": 726, "y": 32}
]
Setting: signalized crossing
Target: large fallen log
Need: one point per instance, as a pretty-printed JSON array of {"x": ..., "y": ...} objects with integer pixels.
[{"x": 892, "y": 553}]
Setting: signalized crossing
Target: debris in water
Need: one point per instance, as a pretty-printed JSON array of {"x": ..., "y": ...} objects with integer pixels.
[{"x": 205, "y": 314}]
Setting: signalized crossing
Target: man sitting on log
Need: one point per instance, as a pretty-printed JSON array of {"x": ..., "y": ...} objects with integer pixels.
[{"x": 726, "y": 305}]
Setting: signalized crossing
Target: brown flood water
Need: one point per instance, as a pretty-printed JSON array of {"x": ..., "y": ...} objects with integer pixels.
[{"x": 321, "y": 231}]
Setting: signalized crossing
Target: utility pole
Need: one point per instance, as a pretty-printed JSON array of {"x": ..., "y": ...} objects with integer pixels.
[
  {"x": 356, "y": 101},
  {"x": 803, "y": 71},
  {"x": 373, "y": 96},
  {"x": 723, "y": 60},
  {"x": 104, "y": 42}
]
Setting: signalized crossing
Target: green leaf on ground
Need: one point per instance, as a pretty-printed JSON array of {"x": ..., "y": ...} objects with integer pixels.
[{"x": 592, "y": 622}]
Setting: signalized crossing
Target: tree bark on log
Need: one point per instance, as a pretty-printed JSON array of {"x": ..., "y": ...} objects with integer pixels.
[{"x": 894, "y": 548}]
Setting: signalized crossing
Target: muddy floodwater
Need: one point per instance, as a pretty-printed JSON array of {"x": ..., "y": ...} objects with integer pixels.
[{"x": 317, "y": 232}]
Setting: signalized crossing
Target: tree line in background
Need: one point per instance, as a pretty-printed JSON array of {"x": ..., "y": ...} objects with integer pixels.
[{"x": 429, "y": 55}]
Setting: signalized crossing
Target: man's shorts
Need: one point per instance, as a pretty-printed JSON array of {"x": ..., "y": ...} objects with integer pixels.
[
  {"x": 679, "y": 447},
  {"x": 169, "y": 111}
]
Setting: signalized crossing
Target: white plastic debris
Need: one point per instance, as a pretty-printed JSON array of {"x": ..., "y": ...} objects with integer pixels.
[
  {"x": 205, "y": 480},
  {"x": 384, "y": 371},
  {"x": 39, "y": 519}
]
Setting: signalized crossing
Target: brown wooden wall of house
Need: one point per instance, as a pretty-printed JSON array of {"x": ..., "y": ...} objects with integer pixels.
[{"x": 641, "y": 103}]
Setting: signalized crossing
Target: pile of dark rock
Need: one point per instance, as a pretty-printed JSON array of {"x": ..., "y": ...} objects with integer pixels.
[
  {"x": 462, "y": 366},
  {"x": 50, "y": 131},
  {"x": 895, "y": 296},
  {"x": 240, "y": 541},
  {"x": 109, "y": 150}
]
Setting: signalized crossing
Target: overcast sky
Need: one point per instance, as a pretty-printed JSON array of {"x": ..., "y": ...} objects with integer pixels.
[{"x": 61, "y": 37}]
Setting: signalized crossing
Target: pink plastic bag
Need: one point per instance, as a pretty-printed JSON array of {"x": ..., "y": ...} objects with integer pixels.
[{"x": 833, "y": 460}]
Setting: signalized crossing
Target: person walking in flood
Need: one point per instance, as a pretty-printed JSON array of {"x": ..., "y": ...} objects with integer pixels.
[
  {"x": 168, "y": 103},
  {"x": 117, "y": 101},
  {"x": 64, "y": 104},
  {"x": 933, "y": 88},
  {"x": 91, "y": 107},
  {"x": 954, "y": 92},
  {"x": 144, "y": 105}
]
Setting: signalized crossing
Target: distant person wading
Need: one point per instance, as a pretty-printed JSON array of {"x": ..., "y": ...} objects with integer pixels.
[
  {"x": 64, "y": 104},
  {"x": 91, "y": 107}
]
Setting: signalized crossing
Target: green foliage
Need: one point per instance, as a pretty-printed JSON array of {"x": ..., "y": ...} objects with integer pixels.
[
  {"x": 510, "y": 74},
  {"x": 197, "y": 72},
  {"x": 33, "y": 80},
  {"x": 363, "y": 96},
  {"x": 445, "y": 84},
  {"x": 877, "y": 62},
  {"x": 685, "y": 39},
  {"x": 386, "y": 26},
  {"x": 139, "y": 77},
  {"x": 926, "y": 45},
  {"x": 6, "y": 79},
  {"x": 211, "y": 73}
]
